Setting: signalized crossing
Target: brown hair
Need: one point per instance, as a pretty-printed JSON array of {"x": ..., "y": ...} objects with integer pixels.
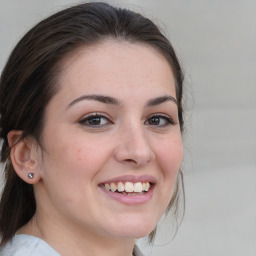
[{"x": 28, "y": 83}]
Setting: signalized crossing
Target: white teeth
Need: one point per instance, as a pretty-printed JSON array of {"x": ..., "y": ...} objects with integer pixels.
[
  {"x": 128, "y": 187},
  {"x": 137, "y": 187},
  {"x": 107, "y": 187},
  {"x": 120, "y": 187},
  {"x": 147, "y": 186},
  {"x": 113, "y": 187}
]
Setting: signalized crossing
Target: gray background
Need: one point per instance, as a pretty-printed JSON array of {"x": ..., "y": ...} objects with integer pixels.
[{"x": 216, "y": 42}]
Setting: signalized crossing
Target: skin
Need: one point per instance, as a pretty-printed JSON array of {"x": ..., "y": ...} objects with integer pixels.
[{"x": 74, "y": 215}]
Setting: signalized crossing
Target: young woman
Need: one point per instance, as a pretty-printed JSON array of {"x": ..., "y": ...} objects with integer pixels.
[{"x": 91, "y": 129}]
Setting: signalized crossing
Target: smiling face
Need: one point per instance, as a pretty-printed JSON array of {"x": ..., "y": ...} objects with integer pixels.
[{"x": 112, "y": 142}]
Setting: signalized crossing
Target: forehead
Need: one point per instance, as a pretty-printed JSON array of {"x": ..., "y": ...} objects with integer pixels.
[{"x": 118, "y": 67}]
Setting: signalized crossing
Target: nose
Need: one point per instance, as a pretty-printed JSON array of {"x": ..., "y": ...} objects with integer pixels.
[{"x": 134, "y": 147}]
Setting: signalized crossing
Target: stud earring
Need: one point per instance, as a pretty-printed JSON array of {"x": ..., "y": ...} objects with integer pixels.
[{"x": 31, "y": 175}]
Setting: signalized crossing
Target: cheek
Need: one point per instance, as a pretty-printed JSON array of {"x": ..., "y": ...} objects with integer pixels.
[
  {"x": 89, "y": 154},
  {"x": 169, "y": 157},
  {"x": 170, "y": 154},
  {"x": 77, "y": 158},
  {"x": 68, "y": 172}
]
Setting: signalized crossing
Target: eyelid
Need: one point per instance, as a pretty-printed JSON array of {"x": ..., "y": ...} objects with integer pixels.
[
  {"x": 91, "y": 114},
  {"x": 94, "y": 114},
  {"x": 168, "y": 118}
]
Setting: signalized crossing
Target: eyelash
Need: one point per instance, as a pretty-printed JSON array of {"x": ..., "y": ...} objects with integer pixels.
[
  {"x": 167, "y": 120},
  {"x": 86, "y": 119},
  {"x": 96, "y": 117}
]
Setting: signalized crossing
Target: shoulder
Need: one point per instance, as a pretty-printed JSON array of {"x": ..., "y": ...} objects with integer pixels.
[{"x": 24, "y": 245}]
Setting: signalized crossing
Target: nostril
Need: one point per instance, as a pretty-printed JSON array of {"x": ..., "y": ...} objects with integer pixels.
[
  {"x": 137, "y": 161},
  {"x": 134, "y": 153},
  {"x": 130, "y": 160}
]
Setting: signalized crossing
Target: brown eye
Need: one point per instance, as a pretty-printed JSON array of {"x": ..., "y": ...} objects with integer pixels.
[
  {"x": 159, "y": 120},
  {"x": 154, "y": 121},
  {"x": 94, "y": 121}
]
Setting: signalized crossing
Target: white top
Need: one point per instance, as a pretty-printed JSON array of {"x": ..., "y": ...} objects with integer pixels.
[{"x": 25, "y": 245}]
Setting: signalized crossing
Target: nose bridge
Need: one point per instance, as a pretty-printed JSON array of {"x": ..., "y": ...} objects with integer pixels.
[
  {"x": 134, "y": 144},
  {"x": 136, "y": 138}
]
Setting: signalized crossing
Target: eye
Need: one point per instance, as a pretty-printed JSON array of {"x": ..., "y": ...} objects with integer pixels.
[
  {"x": 94, "y": 120},
  {"x": 159, "y": 120}
]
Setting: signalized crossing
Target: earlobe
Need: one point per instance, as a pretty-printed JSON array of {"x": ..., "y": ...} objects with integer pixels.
[{"x": 23, "y": 157}]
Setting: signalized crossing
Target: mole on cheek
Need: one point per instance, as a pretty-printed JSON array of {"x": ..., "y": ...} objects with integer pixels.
[{"x": 78, "y": 154}]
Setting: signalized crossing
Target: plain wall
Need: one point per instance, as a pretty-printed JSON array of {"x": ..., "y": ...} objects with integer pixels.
[{"x": 215, "y": 41}]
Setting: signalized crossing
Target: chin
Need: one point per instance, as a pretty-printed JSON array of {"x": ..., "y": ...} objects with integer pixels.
[{"x": 134, "y": 228}]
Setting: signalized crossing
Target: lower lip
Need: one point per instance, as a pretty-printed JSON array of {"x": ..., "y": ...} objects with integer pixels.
[{"x": 130, "y": 200}]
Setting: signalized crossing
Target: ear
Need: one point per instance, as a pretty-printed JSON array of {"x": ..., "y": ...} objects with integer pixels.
[{"x": 24, "y": 157}]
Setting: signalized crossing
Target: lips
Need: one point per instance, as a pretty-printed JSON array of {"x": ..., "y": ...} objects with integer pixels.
[{"x": 129, "y": 189}]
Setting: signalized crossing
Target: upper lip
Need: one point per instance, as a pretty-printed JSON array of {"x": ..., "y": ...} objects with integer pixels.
[{"x": 131, "y": 178}]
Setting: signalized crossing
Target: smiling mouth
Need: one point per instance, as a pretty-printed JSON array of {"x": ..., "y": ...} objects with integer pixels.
[{"x": 127, "y": 188}]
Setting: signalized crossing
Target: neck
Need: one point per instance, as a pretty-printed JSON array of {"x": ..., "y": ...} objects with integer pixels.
[{"x": 69, "y": 240}]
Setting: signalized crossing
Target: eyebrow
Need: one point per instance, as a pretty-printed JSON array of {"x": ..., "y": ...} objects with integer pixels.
[
  {"x": 113, "y": 101},
  {"x": 160, "y": 100},
  {"x": 100, "y": 98}
]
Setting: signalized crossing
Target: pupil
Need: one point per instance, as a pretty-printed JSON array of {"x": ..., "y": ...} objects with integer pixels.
[
  {"x": 154, "y": 120},
  {"x": 95, "y": 121}
]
